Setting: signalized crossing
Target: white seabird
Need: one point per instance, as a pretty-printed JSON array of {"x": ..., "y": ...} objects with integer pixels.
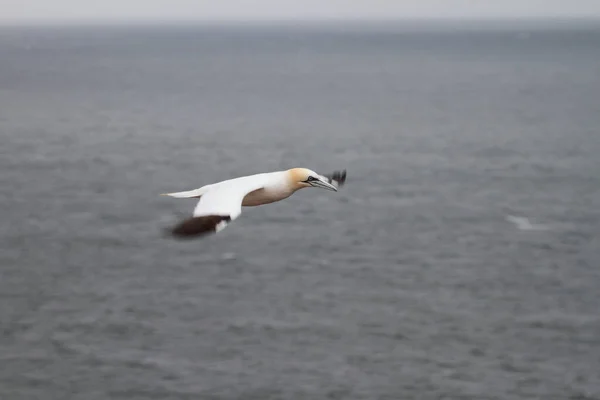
[
  {"x": 221, "y": 202},
  {"x": 524, "y": 224}
]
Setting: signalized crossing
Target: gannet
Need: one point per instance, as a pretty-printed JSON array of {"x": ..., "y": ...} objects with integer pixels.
[
  {"x": 524, "y": 224},
  {"x": 220, "y": 203}
]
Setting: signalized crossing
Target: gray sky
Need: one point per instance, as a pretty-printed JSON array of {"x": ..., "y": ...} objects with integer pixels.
[{"x": 28, "y": 10}]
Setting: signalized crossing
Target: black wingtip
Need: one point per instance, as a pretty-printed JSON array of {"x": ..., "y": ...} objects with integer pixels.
[
  {"x": 195, "y": 227},
  {"x": 339, "y": 177}
]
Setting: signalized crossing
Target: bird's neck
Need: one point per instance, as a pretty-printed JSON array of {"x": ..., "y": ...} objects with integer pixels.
[{"x": 284, "y": 185}]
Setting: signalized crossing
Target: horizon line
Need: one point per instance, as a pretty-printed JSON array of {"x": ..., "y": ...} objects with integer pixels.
[{"x": 83, "y": 22}]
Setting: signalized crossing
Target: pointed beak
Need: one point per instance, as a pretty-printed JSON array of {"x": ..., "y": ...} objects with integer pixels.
[{"x": 322, "y": 183}]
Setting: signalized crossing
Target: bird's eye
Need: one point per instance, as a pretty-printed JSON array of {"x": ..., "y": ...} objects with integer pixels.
[{"x": 312, "y": 178}]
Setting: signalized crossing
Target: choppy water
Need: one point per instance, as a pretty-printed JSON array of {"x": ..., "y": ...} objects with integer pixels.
[{"x": 411, "y": 283}]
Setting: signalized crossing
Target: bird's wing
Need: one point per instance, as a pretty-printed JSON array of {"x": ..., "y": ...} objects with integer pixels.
[
  {"x": 336, "y": 178},
  {"x": 197, "y": 193},
  {"x": 218, "y": 206}
]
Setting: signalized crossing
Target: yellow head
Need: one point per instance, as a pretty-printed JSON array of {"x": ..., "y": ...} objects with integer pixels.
[{"x": 303, "y": 177}]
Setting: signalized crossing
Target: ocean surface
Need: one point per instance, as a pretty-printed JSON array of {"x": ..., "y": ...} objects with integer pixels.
[{"x": 460, "y": 261}]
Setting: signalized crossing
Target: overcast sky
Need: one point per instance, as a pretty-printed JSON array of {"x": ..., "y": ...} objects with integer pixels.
[{"x": 27, "y": 10}]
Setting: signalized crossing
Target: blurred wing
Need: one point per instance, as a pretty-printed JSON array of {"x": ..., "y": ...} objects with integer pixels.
[
  {"x": 218, "y": 206},
  {"x": 336, "y": 178}
]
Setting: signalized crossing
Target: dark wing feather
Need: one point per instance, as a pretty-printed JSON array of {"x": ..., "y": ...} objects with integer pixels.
[
  {"x": 337, "y": 178},
  {"x": 198, "y": 226}
]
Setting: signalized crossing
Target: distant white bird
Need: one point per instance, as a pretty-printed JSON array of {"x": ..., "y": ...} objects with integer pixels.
[
  {"x": 221, "y": 202},
  {"x": 524, "y": 224}
]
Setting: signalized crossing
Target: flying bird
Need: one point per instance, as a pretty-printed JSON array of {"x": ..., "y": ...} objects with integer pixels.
[
  {"x": 524, "y": 224},
  {"x": 220, "y": 203}
]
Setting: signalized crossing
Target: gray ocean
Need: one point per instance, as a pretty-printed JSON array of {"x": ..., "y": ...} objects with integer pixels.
[{"x": 460, "y": 261}]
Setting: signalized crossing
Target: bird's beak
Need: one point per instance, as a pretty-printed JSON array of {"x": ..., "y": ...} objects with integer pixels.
[{"x": 322, "y": 183}]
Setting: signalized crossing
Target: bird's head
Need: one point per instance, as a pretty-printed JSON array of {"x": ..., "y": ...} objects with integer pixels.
[{"x": 304, "y": 177}]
